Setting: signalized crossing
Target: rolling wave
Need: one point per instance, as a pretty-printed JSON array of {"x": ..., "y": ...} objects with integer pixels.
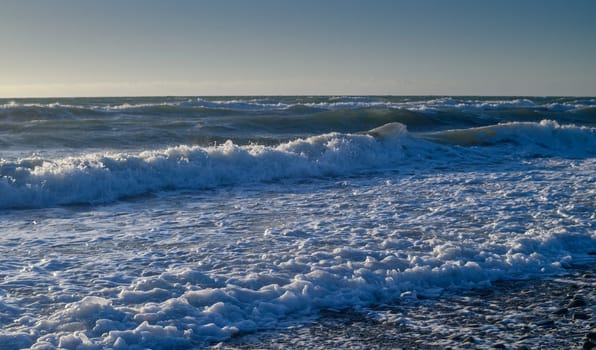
[
  {"x": 85, "y": 124},
  {"x": 546, "y": 137},
  {"x": 105, "y": 177}
]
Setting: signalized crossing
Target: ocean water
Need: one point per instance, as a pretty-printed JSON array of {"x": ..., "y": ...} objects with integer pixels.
[{"x": 179, "y": 222}]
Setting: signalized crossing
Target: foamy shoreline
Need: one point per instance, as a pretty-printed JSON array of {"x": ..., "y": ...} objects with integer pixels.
[{"x": 554, "y": 313}]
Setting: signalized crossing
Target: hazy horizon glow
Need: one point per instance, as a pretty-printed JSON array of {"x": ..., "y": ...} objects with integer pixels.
[{"x": 269, "y": 47}]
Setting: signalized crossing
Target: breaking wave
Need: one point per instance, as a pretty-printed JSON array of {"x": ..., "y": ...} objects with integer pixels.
[{"x": 105, "y": 177}]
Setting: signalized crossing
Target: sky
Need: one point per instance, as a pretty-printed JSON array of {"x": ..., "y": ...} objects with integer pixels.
[{"x": 307, "y": 47}]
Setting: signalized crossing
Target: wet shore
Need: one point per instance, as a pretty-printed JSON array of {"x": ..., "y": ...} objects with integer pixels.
[{"x": 552, "y": 313}]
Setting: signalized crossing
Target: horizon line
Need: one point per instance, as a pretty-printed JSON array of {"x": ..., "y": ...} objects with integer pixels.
[{"x": 290, "y": 95}]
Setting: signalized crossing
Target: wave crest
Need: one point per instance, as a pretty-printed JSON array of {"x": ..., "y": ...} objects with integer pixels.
[
  {"x": 104, "y": 177},
  {"x": 547, "y": 136}
]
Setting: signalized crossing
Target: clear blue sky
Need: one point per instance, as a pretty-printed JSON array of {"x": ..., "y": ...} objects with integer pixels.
[{"x": 240, "y": 47}]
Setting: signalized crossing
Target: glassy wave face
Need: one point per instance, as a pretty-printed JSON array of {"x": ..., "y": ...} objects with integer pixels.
[{"x": 176, "y": 222}]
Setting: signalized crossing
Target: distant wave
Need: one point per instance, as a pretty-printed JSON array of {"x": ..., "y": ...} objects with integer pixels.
[
  {"x": 323, "y": 103},
  {"x": 105, "y": 177},
  {"x": 159, "y": 122}
]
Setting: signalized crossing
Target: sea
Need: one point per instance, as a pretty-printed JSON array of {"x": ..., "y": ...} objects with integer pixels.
[{"x": 184, "y": 222}]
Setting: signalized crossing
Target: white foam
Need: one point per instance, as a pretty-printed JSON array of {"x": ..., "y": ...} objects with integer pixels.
[
  {"x": 104, "y": 177},
  {"x": 334, "y": 103},
  {"x": 185, "y": 270}
]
